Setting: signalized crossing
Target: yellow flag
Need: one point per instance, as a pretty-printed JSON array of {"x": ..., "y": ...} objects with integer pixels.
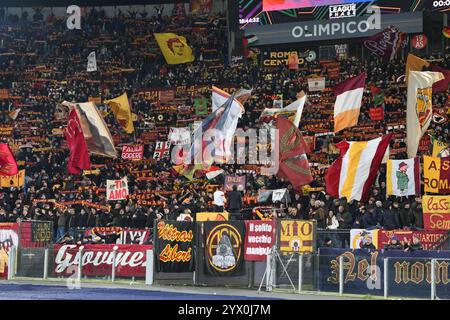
[
  {"x": 174, "y": 48},
  {"x": 414, "y": 63},
  {"x": 438, "y": 146},
  {"x": 122, "y": 111}
]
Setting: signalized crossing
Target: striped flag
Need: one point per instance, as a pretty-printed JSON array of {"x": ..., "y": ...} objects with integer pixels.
[
  {"x": 355, "y": 170},
  {"x": 403, "y": 177},
  {"x": 349, "y": 95}
]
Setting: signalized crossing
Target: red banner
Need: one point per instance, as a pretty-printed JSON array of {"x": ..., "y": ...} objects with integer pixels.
[
  {"x": 427, "y": 237},
  {"x": 167, "y": 95},
  {"x": 133, "y": 152},
  {"x": 376, "y": 114},
  {"x": 259, "y": 239},
  {"x": 97, "y": 259}
]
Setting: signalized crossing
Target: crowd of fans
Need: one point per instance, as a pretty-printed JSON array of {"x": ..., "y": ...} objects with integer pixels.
[{"x": 42, "y": 64}]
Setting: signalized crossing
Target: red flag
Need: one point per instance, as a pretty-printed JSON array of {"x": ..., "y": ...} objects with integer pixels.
[
  {"x": 293, "y": 163},
  {"x": 79, "y": 156},
  {"x": 442, "y": 85},
  {"x": 8, "y": 165}
]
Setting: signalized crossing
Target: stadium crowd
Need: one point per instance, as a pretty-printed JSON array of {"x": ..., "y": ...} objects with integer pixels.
[{"x": 42, "y": 64}]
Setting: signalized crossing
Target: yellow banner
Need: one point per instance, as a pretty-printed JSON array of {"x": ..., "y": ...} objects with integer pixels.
[
  {"x": 297, "y": 235},
  {"x": 17, "y": 180},
  {"x": 436, "y": 172},
  {"x": 174, "y": 48}
]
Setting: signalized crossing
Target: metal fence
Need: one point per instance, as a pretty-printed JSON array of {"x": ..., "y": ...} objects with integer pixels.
[
  {"x": 340, "y": 238},
  {"x": 388, "y": 277}
]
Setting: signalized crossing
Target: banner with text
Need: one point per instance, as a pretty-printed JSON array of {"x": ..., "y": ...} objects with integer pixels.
[
  {"x": 296, "y": 235},
  {"x": 436, "y": 212},
  {"x": 174, "y": 246},
  {"x": 133, "y": 152},
  {"x": 259, "y": 239},
  {"x": 97, "y": 259}
]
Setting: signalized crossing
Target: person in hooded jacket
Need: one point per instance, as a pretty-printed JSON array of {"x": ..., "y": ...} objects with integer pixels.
[
  {"x": 406, "y": 216},
  {"x": 391, "y": 218},
  {"x": 416, "y": 207}
]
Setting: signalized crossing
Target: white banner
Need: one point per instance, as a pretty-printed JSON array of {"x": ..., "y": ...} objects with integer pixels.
[
  {"x": 117, "y": 189},
  {"x": 316, "y": 84},
  {"x": 361, "y": 237}
]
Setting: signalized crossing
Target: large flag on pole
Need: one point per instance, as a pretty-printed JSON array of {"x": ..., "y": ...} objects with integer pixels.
[
  {"x": 79, "y": 156},
  {"x": 219, "y": 97},
  {"x": 98, "y": 138},
  {"x": 355, "y": 170},
  {"x": 293, "y": 111},
  {"x": 419, "y": 110},
  {"x": 293, "y": 162},
  {"x": 403, "y": 177},
  {"x": 349, "y": 95},
  {"x": 120, "y": 106},
  {"x": 8, "y": 165},
  {"x": 386, "y": 43},
  {"x": 212, "y": 139},
  {"x": 414, "y": 63},
  {"x": 174, "y": 48}
]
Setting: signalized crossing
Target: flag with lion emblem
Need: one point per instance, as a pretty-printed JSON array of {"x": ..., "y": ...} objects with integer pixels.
[
  {"x": 174, "y": 48},
  {"x": 419, "y": 107}
]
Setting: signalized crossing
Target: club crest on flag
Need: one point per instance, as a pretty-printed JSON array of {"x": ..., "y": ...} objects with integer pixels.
[{"x": 423, "y": 104}]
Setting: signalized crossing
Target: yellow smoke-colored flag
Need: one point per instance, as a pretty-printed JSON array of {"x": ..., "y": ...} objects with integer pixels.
[
  {"x": 414, "y": 63},
  {"x": 122, "y": 112},
  {"x": 174, "y": 48}
]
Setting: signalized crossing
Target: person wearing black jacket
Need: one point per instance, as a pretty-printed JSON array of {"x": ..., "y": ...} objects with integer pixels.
[
  {"x": 109, "y": 238},
  {"x": 90, "y": 220},
  {"x": 138, "y": 219},
  {"x": 391, "y": 219},
  {"x": 369, "y": 219},
  {"x": 394, "y": 244},
  {"x": 406, "y": 216},
  {"x": 234, "y": 202}
]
